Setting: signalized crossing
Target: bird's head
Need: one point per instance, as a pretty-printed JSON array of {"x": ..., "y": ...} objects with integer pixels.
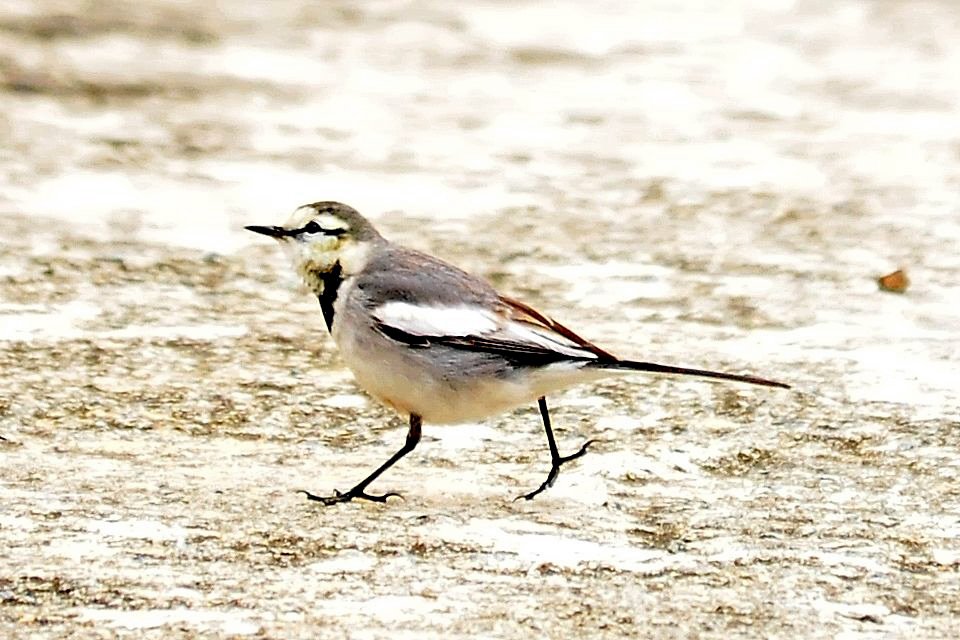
[{"x": 320, "y": 235}]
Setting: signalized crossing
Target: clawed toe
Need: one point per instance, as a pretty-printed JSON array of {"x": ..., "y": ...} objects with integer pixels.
[
  {"x": 537, "y": 491},
  {"x": 582, "y": 450},
  {"x": 353, "y": 494},
  {"x": 555, "y": 471}
]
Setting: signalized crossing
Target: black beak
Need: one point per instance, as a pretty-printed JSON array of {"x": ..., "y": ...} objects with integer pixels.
[{"x": 273, "y": 232}]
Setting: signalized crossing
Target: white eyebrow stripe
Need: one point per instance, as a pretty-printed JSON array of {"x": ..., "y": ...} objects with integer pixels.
[{"x": 437, "y": 321}]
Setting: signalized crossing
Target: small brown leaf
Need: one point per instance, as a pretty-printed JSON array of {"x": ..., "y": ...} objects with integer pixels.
[{"x": 895, "y": 282}]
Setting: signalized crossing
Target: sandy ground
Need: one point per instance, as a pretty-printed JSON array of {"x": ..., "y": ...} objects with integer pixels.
[{"x": 714, "y": 187}]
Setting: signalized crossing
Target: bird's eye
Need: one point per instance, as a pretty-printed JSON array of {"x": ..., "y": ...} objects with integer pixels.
[{"x": 312, "y": 227}]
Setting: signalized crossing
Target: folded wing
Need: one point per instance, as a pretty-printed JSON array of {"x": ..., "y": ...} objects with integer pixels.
[{"x": 510, "y": 329}]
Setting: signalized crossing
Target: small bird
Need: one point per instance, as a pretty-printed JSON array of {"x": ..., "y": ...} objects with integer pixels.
[{"x": 434, "y": 342}]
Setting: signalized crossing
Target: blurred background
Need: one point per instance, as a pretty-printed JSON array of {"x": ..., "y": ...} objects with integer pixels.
[
  {"x": 176, "y": 112},
  {"x": 713, "y": 184}
]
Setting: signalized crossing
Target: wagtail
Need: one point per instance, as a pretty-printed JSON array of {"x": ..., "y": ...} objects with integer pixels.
[{"x": 434, "y": 342}]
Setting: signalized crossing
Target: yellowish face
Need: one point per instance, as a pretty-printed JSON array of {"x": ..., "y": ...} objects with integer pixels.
[
  {"x": 308, "y": 249},
  {"x": 321, "y": 240}
]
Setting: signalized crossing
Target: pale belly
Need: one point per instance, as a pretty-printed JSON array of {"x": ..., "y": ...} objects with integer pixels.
[{"x": 454, "y": 399}]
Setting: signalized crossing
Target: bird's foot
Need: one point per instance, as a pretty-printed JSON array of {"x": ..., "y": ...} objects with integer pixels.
[
  {"x": 357, "y": 493},
  {"x": 555, "y": 471}
]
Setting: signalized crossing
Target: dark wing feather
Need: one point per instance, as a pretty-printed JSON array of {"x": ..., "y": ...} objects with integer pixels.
[
  {"x": 525, "y": 313},
  {"x": 518, "y": 353},
  {"x": 401, "y": 275}
]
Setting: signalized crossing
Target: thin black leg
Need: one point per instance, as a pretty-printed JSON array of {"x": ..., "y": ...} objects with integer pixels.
[
  {"x": 555, "y": 458},
  {"x": 413, "y": 437}
]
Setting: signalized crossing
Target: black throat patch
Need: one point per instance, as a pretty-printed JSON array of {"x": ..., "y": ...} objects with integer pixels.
[{"x": 331, "y": 284}]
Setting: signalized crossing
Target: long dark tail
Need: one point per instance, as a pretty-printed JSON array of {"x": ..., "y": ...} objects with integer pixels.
[{"x": 633, "y": 365}]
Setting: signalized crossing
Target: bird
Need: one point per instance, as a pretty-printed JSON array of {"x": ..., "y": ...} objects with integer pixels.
[{"x": 435, "y": 343}]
